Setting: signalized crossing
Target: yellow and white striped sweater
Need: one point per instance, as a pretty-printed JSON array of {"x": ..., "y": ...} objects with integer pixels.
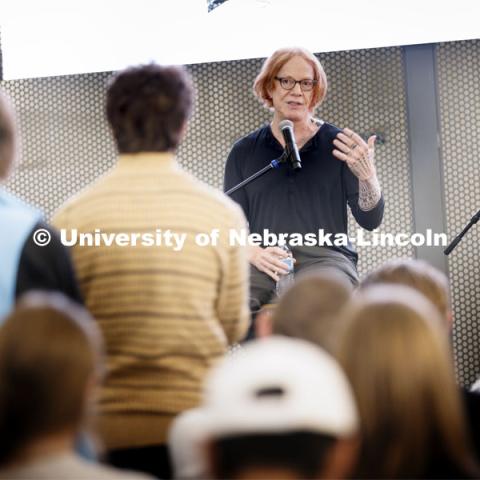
[{"x": 166, "y": 315}]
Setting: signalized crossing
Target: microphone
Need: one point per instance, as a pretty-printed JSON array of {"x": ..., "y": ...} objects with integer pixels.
[{"x": 286, "y": 126}]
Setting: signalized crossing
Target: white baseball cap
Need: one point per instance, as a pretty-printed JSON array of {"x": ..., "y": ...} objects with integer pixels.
[
  {"x": 279, "y": 385},
  {"x": 185, "y": 441}
]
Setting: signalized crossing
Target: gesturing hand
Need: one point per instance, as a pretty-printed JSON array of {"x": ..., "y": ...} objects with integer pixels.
[
  {"x": 269, "y": 260},
  {"x": 358, "y": 154}
]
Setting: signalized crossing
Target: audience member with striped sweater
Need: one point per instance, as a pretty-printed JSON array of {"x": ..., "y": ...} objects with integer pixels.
[{"x": 168, "y": 311}]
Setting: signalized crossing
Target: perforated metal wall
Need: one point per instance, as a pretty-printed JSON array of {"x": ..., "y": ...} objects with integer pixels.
[
  {"x": 458, "y": 66},
  {"x": 65, "y": 140}
]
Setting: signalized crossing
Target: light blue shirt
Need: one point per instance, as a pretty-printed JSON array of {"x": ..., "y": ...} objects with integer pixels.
[{"x": 17, "y": 220}]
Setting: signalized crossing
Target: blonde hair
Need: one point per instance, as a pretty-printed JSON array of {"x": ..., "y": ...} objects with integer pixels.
[
  {"x": 416, "y": 274},
  {"x": 395, "y": 352},
  {"x": 273, "y": 64},
  {"x": 8, "y": 136},
  {"x": 310, "y": 308}
]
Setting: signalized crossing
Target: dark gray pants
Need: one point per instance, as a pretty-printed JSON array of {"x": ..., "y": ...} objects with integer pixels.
[{"x": 262, "y": 287}]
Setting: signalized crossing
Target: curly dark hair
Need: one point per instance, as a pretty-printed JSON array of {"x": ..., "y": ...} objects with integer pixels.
[{"x": 147, "y": 107}]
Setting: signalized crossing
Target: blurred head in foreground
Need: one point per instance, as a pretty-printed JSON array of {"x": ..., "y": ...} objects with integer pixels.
[
  {"x": 8, "y": 136},
  {"x": 281, "y": 408},
  {"x": 50, "y": 361},
  {"x": 418, "y": 275},
  {"x": 186, "y": 441},
  {"x": 309, "y": 309},
  {"x": 394, "y": 348}
]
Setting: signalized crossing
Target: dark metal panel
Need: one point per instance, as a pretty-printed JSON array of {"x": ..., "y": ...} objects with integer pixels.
[{"x": 425, "y": 154}]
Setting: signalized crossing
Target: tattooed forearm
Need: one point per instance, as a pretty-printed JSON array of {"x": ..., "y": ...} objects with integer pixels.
[{"x": 369, "y": 193}]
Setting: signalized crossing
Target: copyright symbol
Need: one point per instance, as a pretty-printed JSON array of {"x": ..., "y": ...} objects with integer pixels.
[{"x": 41, "y": 237}]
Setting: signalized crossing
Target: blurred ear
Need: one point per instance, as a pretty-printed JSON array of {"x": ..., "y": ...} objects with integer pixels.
[
  {"x": 263, "y": 323},
  {"x": 340, "y": 461},
  {"x": 10, "y": 141},
  {"x": 269, "y": 89}
]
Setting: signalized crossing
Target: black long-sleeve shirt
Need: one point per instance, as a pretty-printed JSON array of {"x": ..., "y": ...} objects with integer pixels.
[
  {"x": 305, "y": 201},
  {"x": 47, "y": 268}
]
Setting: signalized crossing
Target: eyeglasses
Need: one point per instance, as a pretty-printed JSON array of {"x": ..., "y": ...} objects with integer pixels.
[{"x": 288, "y": 83}]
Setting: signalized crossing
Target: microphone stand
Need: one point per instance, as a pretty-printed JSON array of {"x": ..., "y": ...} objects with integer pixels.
[
  {"x": 457, "y": 239},
  {"x": 273, "y": 164}
]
